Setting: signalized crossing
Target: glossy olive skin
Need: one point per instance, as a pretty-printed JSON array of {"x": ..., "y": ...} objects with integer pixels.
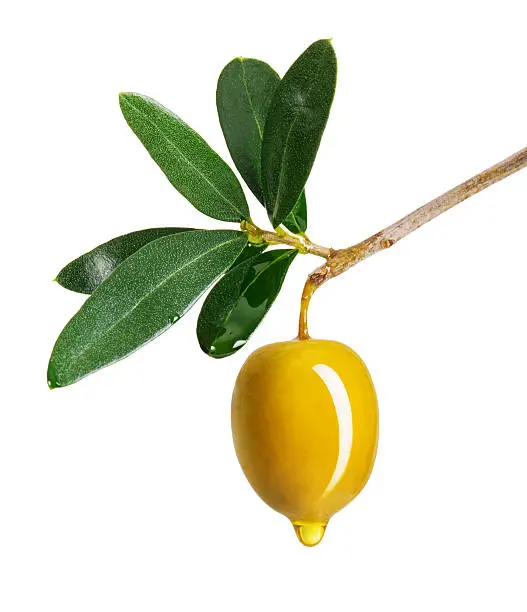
[{"x": 305, "y": 427}]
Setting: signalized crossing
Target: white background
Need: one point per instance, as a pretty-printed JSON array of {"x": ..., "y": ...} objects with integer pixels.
[{"x": 123, "y": 493}]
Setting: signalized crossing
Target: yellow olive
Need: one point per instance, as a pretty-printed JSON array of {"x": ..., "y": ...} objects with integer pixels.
[{"x": 305, "y": 427}]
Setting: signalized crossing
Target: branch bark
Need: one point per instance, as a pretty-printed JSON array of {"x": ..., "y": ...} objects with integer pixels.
[{"x": 343, "y": 259}]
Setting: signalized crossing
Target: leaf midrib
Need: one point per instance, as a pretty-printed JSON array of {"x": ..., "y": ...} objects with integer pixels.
[
  {"x": 280, "y": 174},
  {"x": 293, "y": 217},
  {"x": 171, "y": 143},
  {"x": 137, "y": 304},
  {"x": 249, "y": 99}
]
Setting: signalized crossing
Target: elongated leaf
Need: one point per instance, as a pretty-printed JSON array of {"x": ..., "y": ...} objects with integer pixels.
[
  {"x": 245, "y": 91},
  {"x": 146, "y": 294},
  {"x": 296, "y": 221},
  {"x": 88, "y": 271},
  {"x": 192, "y": 167},
  {"x": 295, "y": 123},
  {"x": 239, "y": 301}
]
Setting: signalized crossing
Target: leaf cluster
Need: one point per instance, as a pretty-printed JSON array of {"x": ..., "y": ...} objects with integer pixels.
[{"x": 141, "y": 283}]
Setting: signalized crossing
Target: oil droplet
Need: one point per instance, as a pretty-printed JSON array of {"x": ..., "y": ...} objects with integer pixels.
[{"x": 310, "y": 534}]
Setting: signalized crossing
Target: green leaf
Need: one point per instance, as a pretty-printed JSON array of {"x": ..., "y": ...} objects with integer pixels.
[
  {"x": 296, "y": 221},
  {"x": 239, "y": 301},
  {"x": 146, "y": 294},
  {"x": 249, "y": 251},
  {"x": 88, "y": 271},
  {"x": 192, "y": 167},
  {"x": 294, "y": 127},
  {"x": 245, "y": 90}
]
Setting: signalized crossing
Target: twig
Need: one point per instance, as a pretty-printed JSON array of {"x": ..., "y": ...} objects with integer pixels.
[
  {"x": 344, "y": 259},
  {"x": 338, "y": 261},
  {"x": 297, "y": 241},
  {"x": 341, "y": 260}
]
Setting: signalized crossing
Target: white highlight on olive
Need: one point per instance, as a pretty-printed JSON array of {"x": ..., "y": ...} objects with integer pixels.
[{"x": 341, "y": 401}]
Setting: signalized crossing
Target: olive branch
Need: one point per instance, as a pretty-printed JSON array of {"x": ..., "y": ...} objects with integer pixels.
[{"x": 140, "y": 284}]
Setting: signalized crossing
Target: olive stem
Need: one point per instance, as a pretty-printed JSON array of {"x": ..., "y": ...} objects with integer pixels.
[{"x": 309, "y": 289}]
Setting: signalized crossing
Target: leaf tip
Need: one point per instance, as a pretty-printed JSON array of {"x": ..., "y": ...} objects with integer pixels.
[
  {"x": 212, "y": 352},
  {"x": 53, "y": 382},
  {"x": 325, "y": 44},
  {"x": 125, "y": 97}
]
